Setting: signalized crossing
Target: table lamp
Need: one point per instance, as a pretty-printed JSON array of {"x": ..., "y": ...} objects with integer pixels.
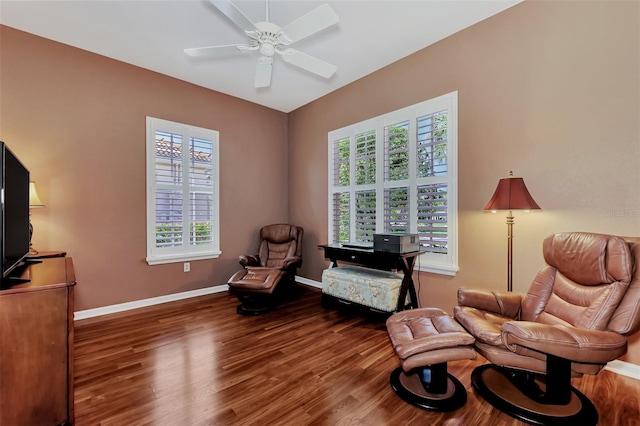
[
  {"x": 34, "y": 203},
  {"x": 511, "y": 194}
]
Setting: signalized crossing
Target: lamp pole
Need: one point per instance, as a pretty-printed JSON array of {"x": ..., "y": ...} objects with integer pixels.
[{"x": 510, "y": 251}]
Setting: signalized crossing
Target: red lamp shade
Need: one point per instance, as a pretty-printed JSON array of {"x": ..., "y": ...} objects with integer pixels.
[{"x": 511, "y": 194}]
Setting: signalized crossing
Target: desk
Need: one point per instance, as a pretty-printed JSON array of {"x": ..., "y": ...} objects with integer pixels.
[{"x": 379, "y": 260}]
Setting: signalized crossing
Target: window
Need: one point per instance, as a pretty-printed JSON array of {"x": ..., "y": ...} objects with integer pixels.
[
  {"x": 397, "y": 173},
  {"x": 182, "y": 192}
]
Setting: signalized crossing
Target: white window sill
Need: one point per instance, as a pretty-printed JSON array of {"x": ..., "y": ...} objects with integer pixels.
[
  {"x": 443, "y": 269},
  {"x": 175, "y": 258}
]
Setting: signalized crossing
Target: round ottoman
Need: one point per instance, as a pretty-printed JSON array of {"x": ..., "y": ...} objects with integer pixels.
[{"x": 424, "y": 340}]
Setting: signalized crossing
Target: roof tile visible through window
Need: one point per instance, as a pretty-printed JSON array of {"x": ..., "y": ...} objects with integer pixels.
[{"x": 163, "y": 149}]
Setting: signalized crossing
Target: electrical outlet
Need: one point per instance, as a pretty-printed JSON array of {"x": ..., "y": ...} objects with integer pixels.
[{"x": 187, "y": 266}]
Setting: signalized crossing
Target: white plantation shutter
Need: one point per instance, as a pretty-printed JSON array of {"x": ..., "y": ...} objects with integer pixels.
[
  {"x": 341, "y": 217},
  {"x": 168, "y": 178},
  {"x": 397, "y": 173},
  {"x": 200, "y": 191},
  {"x": 341, "y": 176},
  {"x": 366, "y": 158},
  {"x": 432, "y": 177},
  {"x": 432, "y": 217},
  {"x": 182, "y": 192},
  {"x": 396, "y": 151},
  {"x": 397, "y": 210},
  {"x": 168, "y": 232},
  {"x": 365, "y": 224},
  {"x": 432, "y": 145},
  {"x": 341, "y": 159}
]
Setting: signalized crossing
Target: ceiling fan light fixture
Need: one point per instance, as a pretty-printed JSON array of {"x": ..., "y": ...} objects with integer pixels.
[{"x": 267, "y": 49}]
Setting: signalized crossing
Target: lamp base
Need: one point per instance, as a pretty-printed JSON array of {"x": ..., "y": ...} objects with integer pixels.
[{"x": 32, "y": 251}]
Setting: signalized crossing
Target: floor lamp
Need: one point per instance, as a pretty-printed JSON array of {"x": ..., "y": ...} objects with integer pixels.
[{"x": 511, "y": 194}]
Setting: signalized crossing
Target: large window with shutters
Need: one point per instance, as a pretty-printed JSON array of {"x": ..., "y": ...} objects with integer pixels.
[
  {"x": 397, "y": 173},
  {"x": 182, "y": 192}
]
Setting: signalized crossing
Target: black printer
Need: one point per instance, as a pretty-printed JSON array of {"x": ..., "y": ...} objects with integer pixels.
[{"x": 396, "y": 243}]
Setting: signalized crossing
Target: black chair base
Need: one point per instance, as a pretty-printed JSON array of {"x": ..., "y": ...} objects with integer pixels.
[
  {"x": 253, "y": 310},
  {"x": 251, "y": 305},
  {"x": 499, "y": 388},
  {"x": 411, "y": 389}
]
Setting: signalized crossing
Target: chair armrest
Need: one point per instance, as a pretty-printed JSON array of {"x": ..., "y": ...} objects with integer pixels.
[
  {"x": 574, "y": 344},
  {"x": 249, "y": 260},
  {"x": 293, "y": 261},
  {"x": 504, "y": 303}
]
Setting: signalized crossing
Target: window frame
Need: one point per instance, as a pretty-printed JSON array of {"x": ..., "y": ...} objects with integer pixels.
[
  {"x": 184, "y": 252},
  {"x": 441, "y": 263}
]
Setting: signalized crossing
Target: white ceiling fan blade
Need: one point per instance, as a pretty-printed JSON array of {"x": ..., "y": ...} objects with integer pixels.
[
  {"x": 263, "y": 72},
  {"x": 228, "y": 49},
  {"x": 317, "y": 20},
  {"x": 309, "y": 63},
  {"x": 234, "y": 14}
]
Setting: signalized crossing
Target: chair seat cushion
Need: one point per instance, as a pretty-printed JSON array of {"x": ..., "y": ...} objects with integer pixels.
[
  {"x": 255, "y": 280},
  {"x": 590, "y": 346},
  {"x": 485, "y": 326}
]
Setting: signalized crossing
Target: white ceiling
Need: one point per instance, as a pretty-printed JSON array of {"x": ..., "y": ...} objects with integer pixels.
[{"x": 153, "y": 33}]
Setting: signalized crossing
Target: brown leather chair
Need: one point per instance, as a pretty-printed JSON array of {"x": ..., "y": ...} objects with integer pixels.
[
  {"x": 573, "y": 320},
  {"x": 265, "y": 273}
]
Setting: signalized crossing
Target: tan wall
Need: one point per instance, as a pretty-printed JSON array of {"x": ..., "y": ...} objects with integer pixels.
[
  {"x": 77, "y": 121},
  {"x": 549, "y": 90}
]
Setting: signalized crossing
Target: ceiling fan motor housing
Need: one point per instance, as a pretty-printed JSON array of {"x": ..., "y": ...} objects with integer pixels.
[{"x": 268, "y": 37}]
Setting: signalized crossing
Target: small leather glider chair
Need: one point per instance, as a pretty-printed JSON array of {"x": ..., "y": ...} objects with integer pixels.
[
  {"x": 573, "y": 320},
  {"x": 264, "y": 274}
]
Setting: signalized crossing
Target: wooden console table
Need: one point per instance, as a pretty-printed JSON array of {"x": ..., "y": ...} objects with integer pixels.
[
  {"x": 402, "y": 262},
  {"x": 36, "y": 345}
]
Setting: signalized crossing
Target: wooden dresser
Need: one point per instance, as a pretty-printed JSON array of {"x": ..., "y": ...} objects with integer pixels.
[{"x": 36, "y": 345}]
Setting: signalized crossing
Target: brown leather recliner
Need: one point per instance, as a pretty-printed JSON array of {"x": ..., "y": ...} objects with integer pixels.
[
  {"x": 262, "y": 276},
  {"x": 573, "y": 320}
]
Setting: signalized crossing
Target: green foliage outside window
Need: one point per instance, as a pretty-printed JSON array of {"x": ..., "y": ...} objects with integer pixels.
[
  {"x": 398, "y": 151},
  {"x": 432, "y": 145},
  {"x": 170, "y": 234},
  {"x": 200, "y": 233},
  {"x": 366, "y": 158},
  {"x": 344, "y": 154}
]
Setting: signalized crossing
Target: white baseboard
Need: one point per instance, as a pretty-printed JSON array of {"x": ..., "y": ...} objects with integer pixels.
[
  {"x": 624, "y": 368},
  {"x": 122, "y": 307},
  {"x": 307, "y": 281}
]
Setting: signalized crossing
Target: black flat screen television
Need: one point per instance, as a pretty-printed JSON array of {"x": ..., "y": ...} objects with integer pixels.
[{"x": 14, "y": 214}]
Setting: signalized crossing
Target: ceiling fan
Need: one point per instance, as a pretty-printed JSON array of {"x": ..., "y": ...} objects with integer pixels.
[{"x": 269, "y": 39}]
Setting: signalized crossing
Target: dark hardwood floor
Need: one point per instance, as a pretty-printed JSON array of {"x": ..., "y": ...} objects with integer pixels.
[{"x": 196, "y": 362}]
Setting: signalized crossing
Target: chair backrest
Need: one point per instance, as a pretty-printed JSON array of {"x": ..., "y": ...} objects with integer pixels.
[
  {"x": 277, "y": 242},
  {"x": 591, "y": 282}
]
